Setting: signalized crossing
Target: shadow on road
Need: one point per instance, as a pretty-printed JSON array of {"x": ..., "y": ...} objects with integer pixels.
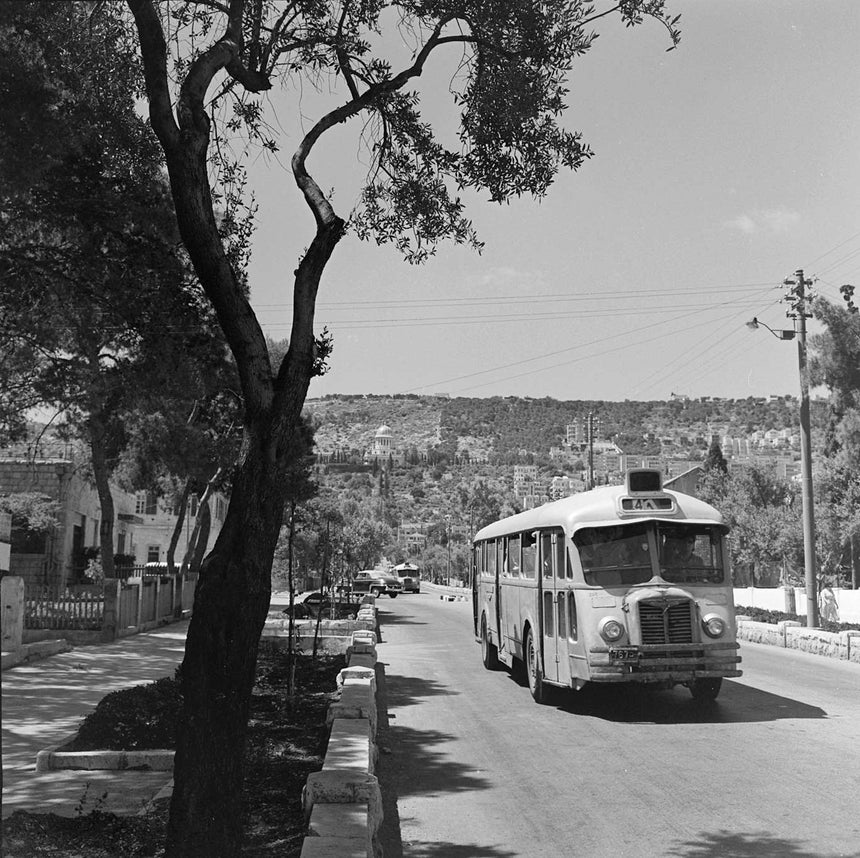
[
  {"x": 737, "y": 704},
  {"x": 410, "y": 689},
  {"x": 720, "y": 844},
  {"x": 409, "y": 757}
]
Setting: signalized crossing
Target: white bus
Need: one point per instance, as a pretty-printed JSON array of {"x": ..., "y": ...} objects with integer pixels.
[{"x": 620, "y": 584}]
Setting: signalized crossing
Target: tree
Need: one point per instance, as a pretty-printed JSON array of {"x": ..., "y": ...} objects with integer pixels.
[
  {"x": 714, "y": 458},
  {"x": 763, "y": 513},
  {"x": 835, "y": 363},
  {"x": 516, "y": 55},
  {"x": 90, "y": 261}
]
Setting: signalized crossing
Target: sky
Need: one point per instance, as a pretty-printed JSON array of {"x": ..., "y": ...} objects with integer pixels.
[{"x": 720, "y": 169}]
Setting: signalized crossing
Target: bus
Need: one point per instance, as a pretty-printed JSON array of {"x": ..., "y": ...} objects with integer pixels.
[
  {"x": 620, "y": 584},
  {"x": 409, "y": 576}
]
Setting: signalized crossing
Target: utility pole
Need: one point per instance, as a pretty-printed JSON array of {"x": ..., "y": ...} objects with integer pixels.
[
  {"x": 590, "y": 440},
  {"x": 798, "y": 298}
]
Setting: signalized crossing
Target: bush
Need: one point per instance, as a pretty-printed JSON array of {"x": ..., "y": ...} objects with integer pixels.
[
  {"x": 761, "y": 615},
  {"x": 144, "y": 717}
]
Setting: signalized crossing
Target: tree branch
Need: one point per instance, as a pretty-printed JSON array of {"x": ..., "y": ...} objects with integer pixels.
[{"x": 153, "y": 49}]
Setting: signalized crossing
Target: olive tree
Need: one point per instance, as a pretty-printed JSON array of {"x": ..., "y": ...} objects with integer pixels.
[{"x": 514, "y": 58}]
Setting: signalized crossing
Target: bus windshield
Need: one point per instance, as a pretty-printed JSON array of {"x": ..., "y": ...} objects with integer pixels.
[{"x": 623, "y": 555}]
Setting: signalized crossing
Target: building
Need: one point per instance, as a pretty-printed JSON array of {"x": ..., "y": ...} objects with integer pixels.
[
  {"x": 141, "y": 529},
  {"x": 383, "y": 448}
]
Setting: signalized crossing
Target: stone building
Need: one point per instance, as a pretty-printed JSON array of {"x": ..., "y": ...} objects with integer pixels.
[{"x": 142, "y": 527}]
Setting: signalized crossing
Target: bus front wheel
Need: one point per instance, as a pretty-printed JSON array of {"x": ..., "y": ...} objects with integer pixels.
[
  {"x": 533, "y": 672},
  {"x": 489, "y": 653},
  {"x": 706, "y": 689}
]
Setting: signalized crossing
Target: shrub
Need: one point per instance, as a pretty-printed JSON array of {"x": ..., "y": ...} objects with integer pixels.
[
  {"x": 144, "y": 717},
  {"x": 761, "y": 615}
]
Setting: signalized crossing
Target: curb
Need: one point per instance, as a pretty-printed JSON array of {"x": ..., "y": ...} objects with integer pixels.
[
  {"x": 33, "y": 651},
  {"x": 154, "y": 761}
]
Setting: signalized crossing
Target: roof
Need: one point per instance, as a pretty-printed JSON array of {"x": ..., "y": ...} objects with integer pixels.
[{"x": 599, "y": 505}]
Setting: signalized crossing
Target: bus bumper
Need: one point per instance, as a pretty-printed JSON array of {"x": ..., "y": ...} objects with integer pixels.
[{"x": 666, "y": 664}]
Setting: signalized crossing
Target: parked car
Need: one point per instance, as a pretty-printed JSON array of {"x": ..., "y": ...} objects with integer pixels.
[
  {"x": 310, "y": 605},
  {"x": 376, "y": 582},
  {"x": 409, "y": 577}
]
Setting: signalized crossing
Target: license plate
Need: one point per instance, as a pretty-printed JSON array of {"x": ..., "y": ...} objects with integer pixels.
[{"x": 624, "y": 654}]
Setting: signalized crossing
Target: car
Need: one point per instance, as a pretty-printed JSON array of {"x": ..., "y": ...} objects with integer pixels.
[
  {"x": 311, "y": 604},
  {"x": 377, "y": 583},
  {"x": 409, "y": 577}
]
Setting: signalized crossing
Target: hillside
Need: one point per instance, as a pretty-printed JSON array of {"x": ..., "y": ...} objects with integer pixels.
[{"x": 503, "y": 427}]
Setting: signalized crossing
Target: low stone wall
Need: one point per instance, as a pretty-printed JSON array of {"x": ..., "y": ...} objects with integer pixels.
[
  {"x": 335, "y": 636},
  {"x": 792, "y": 635},
  {"x": 343, "y": 801}
]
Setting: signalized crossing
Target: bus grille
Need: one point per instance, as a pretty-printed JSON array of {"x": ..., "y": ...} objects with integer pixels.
[{"x": 666, "y": 622}]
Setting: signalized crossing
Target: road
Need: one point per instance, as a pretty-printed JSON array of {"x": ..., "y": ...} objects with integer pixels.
[{"x": 471, "y": 767}]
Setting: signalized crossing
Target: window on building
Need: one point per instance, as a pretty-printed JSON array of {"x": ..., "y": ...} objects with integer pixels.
[
  {"x": 153, "y": 554},
  {"x": 146, "y": 503}
]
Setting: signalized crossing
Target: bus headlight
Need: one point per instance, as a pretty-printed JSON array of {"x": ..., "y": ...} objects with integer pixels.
[
  {"x": 714, "y": 626},
  {"x": 611, "y": 630}
]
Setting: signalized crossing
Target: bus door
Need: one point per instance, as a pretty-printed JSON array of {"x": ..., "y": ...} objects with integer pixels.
[
  {"x": 554, "y": 649},
  {"x": 559, "y": 608}
]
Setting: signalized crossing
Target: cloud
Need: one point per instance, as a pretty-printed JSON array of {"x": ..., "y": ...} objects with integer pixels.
[{"x": 773, "y": 221}]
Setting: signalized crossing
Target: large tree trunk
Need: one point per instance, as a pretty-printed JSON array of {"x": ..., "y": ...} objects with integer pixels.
[{"x": 230, "y": 606}]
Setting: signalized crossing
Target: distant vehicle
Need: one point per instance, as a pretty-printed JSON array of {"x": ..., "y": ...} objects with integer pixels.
[
  {"x": 377, "y": 583},
  {"x": 409, "y": 577},
  {"x": 311, "y": 604}
]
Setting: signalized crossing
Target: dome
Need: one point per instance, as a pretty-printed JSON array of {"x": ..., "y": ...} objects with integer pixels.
[{"x": 383, "y": 431}]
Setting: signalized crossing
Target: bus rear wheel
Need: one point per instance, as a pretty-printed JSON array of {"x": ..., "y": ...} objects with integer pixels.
[
  {"x": 706, "y": 689},
  {"x": 537, "y": 688},
  {"x": 489, "y": 653}
]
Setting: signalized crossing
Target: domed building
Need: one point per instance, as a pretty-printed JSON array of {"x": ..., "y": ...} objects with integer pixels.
[
  {"x": 383, "y": 442},
  {"x": 383, "y": 449}
]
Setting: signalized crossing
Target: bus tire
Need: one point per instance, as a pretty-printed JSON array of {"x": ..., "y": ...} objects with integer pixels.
[
  {"x": 489, "y": 653},
  {"x": 706, "y": 689},
  {"x": 533, "y": 672}
]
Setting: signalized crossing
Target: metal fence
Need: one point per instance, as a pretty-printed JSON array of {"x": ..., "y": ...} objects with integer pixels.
[
  {"x": 76, "y": 607},
  {"x": 113, "y": 608}
]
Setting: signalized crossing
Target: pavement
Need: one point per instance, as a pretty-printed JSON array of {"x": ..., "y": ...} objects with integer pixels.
[{"x": 43, "y": 703}]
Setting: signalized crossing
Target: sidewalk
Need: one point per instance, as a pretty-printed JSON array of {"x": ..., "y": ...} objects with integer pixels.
[{"x": 44, "y": 702}]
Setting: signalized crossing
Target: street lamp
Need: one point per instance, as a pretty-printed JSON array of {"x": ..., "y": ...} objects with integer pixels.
[
  {"x": 754, "y": 323},
  {"x": 800, "y": 315}
]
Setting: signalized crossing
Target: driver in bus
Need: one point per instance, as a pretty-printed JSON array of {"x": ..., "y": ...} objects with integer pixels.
[{"x": 678, "y": 551}]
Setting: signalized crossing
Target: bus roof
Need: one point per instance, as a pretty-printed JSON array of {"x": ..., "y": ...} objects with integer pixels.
[{"x": 598, "y": 506}]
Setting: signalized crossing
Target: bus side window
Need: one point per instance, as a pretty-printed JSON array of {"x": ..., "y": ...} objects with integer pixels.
[
  {"x": 546, "y": 554},
  {"x": 491, "y": 557},
  {"x": 512, "y": 558},
  {"x": 548, "y": 616},
  {"x": 573, "y": 631},
  {"x": 562, "y": 623},
  {"x": 529, "y": 544},
  {"x": 562, "y": 558}
]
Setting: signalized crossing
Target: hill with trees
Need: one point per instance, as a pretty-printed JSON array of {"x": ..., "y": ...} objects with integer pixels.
[{"x": 505, "y": 429}]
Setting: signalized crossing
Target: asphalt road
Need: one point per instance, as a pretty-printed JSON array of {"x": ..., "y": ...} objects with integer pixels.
[{"x": 471, "y": 767}]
